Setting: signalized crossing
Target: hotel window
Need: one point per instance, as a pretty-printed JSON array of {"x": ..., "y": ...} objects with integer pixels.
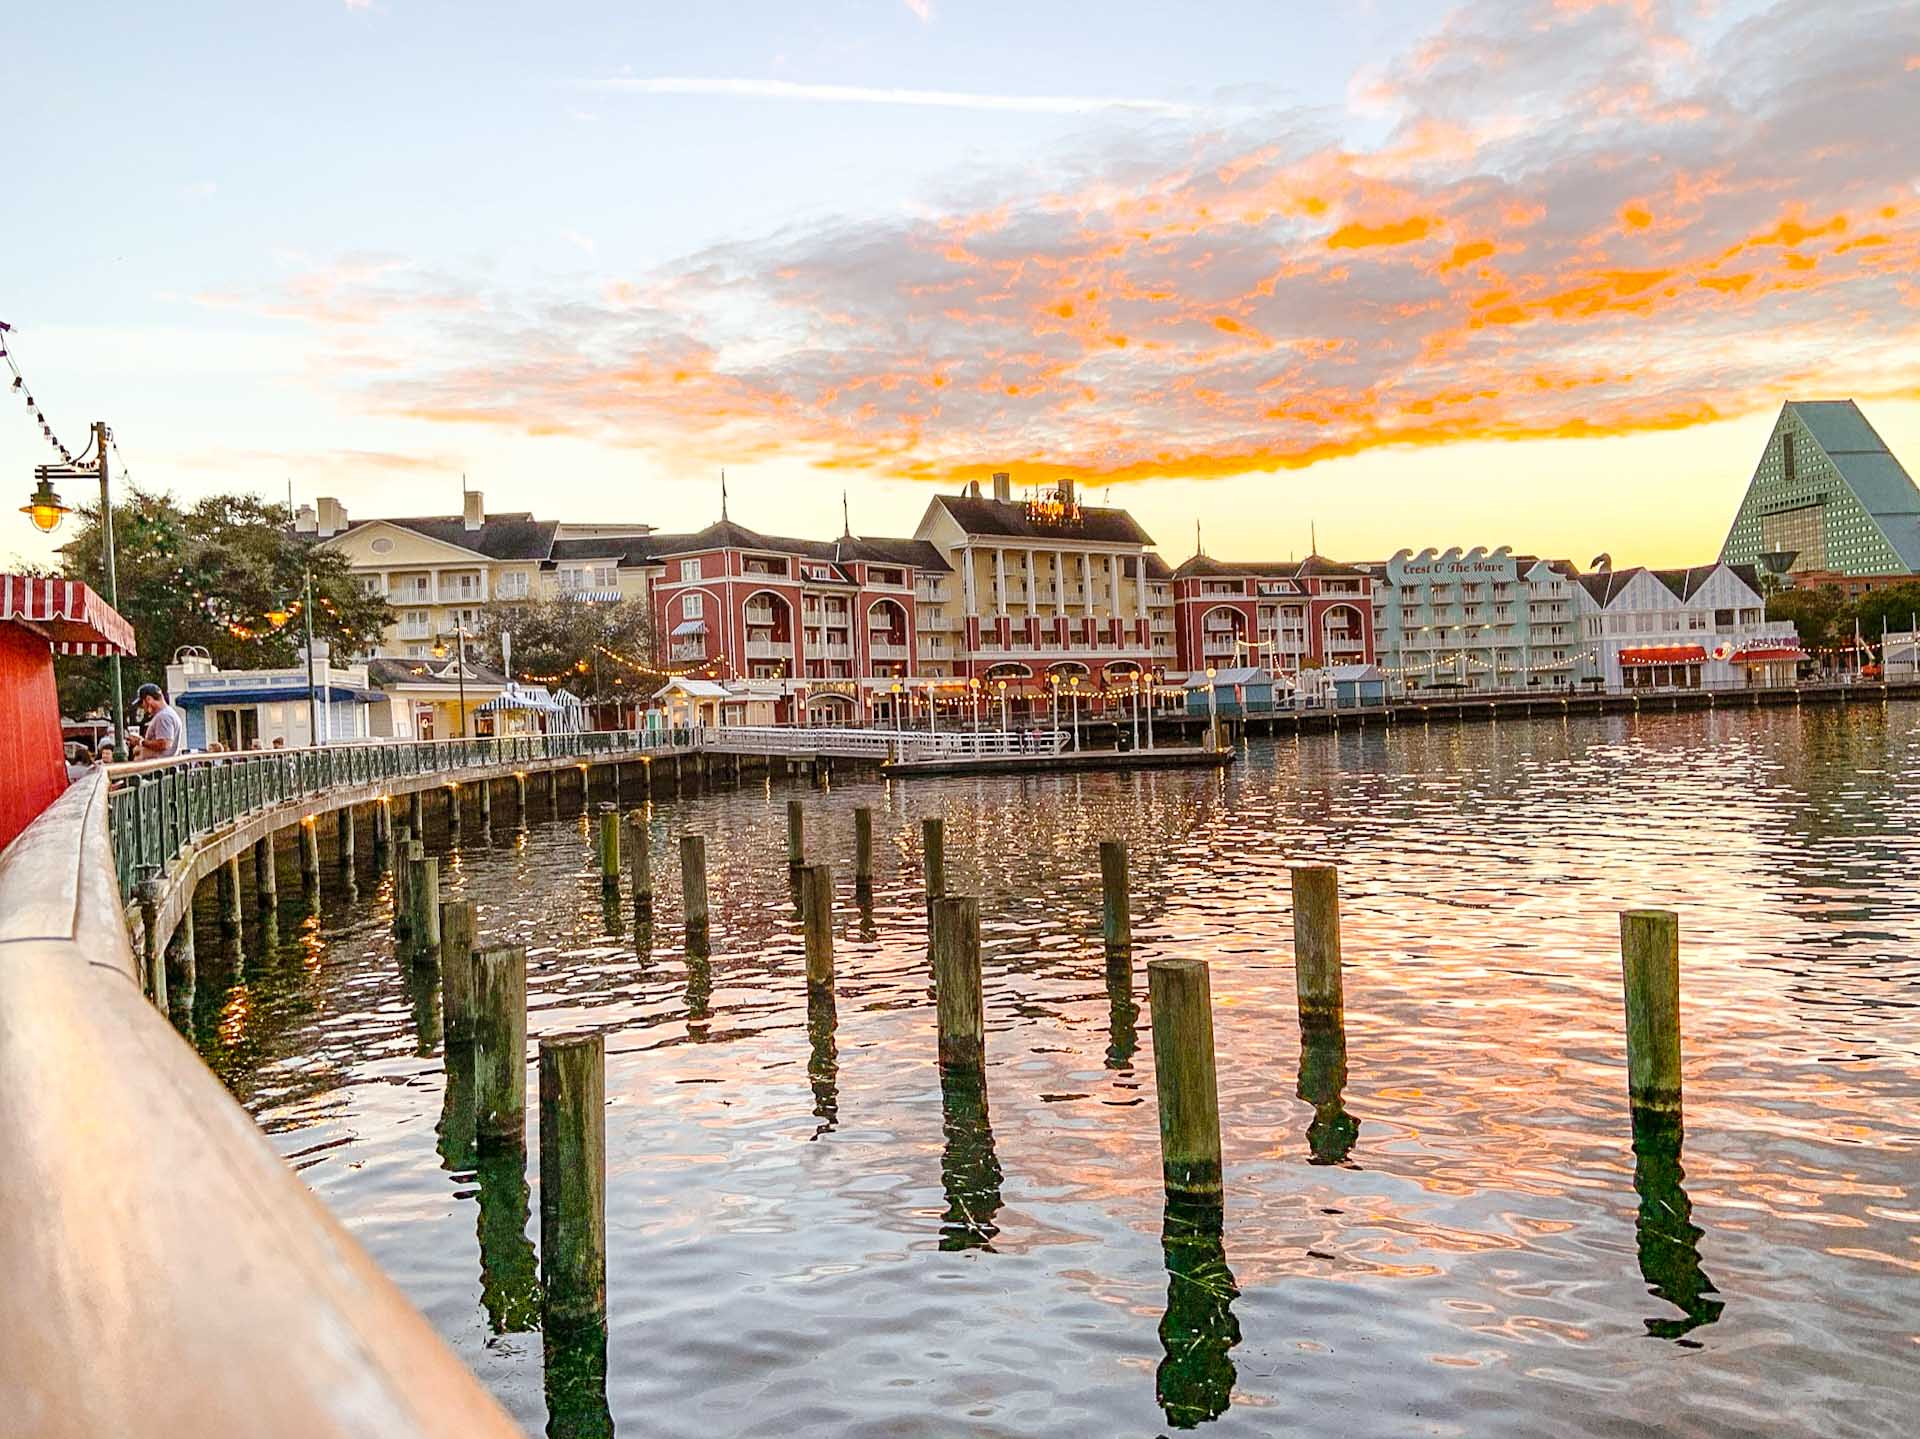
[
  {"x": 689, "y": 570},
  {"x": 513, "y": 585},
  {"x": 1786, "y": 455},
  {"x": 692, "y": 607}
]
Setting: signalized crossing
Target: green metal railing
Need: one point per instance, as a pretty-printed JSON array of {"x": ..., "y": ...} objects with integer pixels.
[{"x": 158, "y": 811}]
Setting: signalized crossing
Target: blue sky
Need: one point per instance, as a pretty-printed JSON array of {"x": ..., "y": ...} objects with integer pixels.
[{"x": 587, "y": 255}]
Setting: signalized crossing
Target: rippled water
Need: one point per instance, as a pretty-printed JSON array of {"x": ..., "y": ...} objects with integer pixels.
[{"x": 804, "y": 1239}]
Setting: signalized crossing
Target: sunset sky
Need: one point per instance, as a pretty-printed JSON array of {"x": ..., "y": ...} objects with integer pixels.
[{"x": 1536, "y": 274}]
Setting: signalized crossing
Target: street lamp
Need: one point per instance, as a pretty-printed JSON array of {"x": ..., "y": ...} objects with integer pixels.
[
  {"x": 1152, "y": 691},
  {"x": 1133, "y": 684},
  {"x": 460, "y": 665},
  {"x": 46, "y": 512},
  {"x": 974, "y": 686},
  {"x": 278, "y": 617},
  {"x": 1003, "y": 703},
  {"x": 1073, "y": 692}
]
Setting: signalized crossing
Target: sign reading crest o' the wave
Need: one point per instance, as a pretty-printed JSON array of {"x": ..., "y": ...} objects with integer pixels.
[{"x": 1429, "y": 567}]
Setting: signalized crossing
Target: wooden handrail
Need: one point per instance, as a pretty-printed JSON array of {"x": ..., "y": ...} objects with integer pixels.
[{"x": 162, "y": 1271}]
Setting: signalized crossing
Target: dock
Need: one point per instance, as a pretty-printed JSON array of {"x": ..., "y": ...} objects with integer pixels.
[{"x": 1071, "y": 761}]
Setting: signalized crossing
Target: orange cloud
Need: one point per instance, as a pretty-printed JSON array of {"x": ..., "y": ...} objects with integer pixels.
[{"x": 1355, "y": 236}]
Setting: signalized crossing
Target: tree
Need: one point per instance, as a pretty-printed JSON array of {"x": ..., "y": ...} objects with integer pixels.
[
  {"x": 597, "y": 649},
  {"x": 1822, "y": 617},
  {"x": 1891, "y": 609},
  {"x": 210, "y": 575}
]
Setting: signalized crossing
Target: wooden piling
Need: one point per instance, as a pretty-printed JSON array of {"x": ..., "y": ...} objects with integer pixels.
[
  {"x": 863, "y": 848},
  {"x": 1316, "y": 946},
  {"x": 609, "y": 847},
  {"x": 309, "y": 853},
  {"x": 520, "y": 797},
  {"x": 1650, "y": 965},
  {"x": 486, "y": 803},
  {"x": 816, "y": 907},
  {"x": 228, "y": 886},
  {"x": 1116, "y": 906},
  {"x": 402, "y": 885},
  {"x": 693, "y": 889},
  {"x": 1182, "y": 999},
  {"x": 344, "y": 839},
  {"x": 423, "y": 904},
  {"x": 266, "y": 878},
  {"x": 382, "y": 824},
  {"x": 640, "y": 858},
  {"x": 459, "y": 924},
  {"x": 417, "y": 813},
  {"x": 456, "y": 804},
  {"x": 933, "y": 859},
  {"x": 500, "y": 1046},
  {"x": 573, "y": 1181},
  {"x": 796, "y": 834},
  {"x": 958, "y": 1001}
]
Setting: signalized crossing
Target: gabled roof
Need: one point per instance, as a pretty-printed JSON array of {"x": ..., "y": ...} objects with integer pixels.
[
  {"x": 1009, "y": 518},
  {"x": 726, "y": 535},
  {"x": 1606, "y": 585},
  {"x": 919, "y": 553},
  {"x": 1313, "y": 566},
  {"x": 387, "y": 671},
  {"x": 498, "y": 537}
]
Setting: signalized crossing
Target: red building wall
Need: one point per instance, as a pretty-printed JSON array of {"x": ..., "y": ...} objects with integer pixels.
[{"x": 32, "y": 760}]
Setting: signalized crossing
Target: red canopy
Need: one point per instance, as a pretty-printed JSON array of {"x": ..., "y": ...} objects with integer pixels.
[
  {"x": 74, "y": 619},
  {"x": 1664, "y": 655},
  {"x": 1753, "y": 654}
]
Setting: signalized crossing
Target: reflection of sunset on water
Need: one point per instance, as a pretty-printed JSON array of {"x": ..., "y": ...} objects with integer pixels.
[{"x": 1446, "y": 1217}]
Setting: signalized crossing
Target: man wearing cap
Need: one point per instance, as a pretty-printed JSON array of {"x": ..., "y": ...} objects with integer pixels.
[{"x": 164, "y": 731}]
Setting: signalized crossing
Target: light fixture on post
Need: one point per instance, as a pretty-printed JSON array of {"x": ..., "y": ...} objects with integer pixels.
[{"x": 45, "y": 509}]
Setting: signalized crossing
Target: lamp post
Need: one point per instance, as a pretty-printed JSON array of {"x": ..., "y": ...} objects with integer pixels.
[
  {"x": 1054, "y": 680},
  {"x": 1073, "y": 693},
  {"x": 898, "y": 728},
  {"x": 1134, "y": 685},
  {"x": 1003, "y": 706},
  {"x": 459, "y": 665},
  {"x": 46, "y": 511},
  {"x": 973, "y": 687},
  {"x": 1153, "y": 689}
]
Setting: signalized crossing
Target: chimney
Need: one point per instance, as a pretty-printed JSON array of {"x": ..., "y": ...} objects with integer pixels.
[
  {"x": 332, "y": 517},
  {"x": 475, "y": 513},
  {"x": 305, "y": 521},
  {"x": 1066, "y": 492},
  {"x": 1002, "y": 486}
]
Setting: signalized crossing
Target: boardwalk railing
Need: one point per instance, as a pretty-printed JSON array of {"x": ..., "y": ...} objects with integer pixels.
[
  {"x": 166, "y": 1273},
  {"x": 161, "y": 808},
  {"x": 906, "y": 745}
]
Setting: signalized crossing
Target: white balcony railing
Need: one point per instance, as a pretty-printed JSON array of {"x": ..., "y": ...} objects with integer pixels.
[
  {"x": 763, "y": 614},
  {"x": 882, "y": 650},
  {"x": 689, "y": 650},
  {"x": 770, "y": 650}
]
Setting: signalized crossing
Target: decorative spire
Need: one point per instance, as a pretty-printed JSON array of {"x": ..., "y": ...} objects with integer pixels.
[
  {"x": 846, "y": 518},
  {"x": 723, "y": 496},
  {"x": 1198, "y": 548},
  {"x": 1313, "y": 539}
]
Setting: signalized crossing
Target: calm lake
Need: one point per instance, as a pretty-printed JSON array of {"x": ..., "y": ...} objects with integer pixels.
[{"x": 804, "y": 1240}]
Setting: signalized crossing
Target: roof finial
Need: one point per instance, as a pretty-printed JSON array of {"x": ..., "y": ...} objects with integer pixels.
[
  {"x": 723, "y": 494},
  {"x": 1198, "y": 548},
  {"x": 1313, "y": 539},
  {"x": 846, "y": 518}
]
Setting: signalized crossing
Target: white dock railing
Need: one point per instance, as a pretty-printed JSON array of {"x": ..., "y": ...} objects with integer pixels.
[{"x": 906, "y": 745}]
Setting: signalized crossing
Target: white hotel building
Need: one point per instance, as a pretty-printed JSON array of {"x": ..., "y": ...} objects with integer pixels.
[{"x": 1492, "y": 620}]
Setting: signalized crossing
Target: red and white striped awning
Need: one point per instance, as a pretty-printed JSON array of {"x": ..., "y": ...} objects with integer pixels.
[{"x": 74, "y": 619}]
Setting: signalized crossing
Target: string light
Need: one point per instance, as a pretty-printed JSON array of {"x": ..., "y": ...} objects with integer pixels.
[{"x": 19, "y": 387}]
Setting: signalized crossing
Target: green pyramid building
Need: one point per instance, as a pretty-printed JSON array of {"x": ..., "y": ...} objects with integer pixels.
[{"x": 1827, "y": 495}]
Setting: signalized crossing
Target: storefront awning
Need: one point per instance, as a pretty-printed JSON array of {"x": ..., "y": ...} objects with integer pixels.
[
  {"x": 74, "y": 619},
  {"x": 1759, "y": 654},
  {"x": 276, "y": 694},
  {"x": 1664, "y": 655}
]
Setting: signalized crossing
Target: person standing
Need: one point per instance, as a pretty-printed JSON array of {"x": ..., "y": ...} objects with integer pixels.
[{"x": 165, "y": 732}]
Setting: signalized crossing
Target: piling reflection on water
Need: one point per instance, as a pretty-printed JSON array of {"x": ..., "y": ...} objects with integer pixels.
[
  {"x": 1667, "y": 1238},
  {"x": 823, "y": 1062},
  {"x": 1198, "y": 1332},
  {"x": 969, "y": 1167},
  {"x": 575, "y": 1382},
  {"x": 509, "y": 1268},
  {"x": 458, "y": 1138},
  {"x": 1323, "y": 1082},
  {"x": 1123, "y": 1021}
]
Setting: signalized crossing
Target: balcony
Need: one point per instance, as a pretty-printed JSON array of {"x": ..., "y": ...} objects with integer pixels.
[
  {"x": 1162, "y": 627},
  {"x": 416, "y": 630},
  {"x": 880, "y": 650},
  {"x": 826, "y": 650},
  {"x": 763, "y": 614},
  {"x": 770, "y": 650},
  {"x": 688, "y": 650},
  {"x": 1217, "y": 646}
]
